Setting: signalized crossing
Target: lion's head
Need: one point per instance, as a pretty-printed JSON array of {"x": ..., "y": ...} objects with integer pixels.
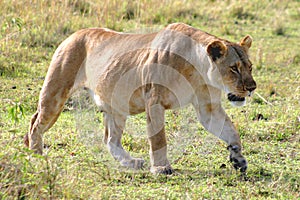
[{"x": 235, "y": 68}]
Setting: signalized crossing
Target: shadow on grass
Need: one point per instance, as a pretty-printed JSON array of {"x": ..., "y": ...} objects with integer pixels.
[{"x": 183, "y": 175}]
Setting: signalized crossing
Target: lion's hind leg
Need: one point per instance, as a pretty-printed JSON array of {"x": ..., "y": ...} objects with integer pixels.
[
  {"x": 114, "y": 126},
  {"x": 62, "y": 79},
  {"x": 56, "y": 90},
  {"x": 33, "y": 118},
  {"x": 49, "y": 109}
]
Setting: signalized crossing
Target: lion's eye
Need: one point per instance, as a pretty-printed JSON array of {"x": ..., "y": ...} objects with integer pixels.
[{"x": 234, "y": 69}]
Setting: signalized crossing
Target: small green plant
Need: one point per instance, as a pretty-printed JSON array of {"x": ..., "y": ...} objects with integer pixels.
[
  {"x": 16, "y": 112},
  {"x": 17, "y": 22}
]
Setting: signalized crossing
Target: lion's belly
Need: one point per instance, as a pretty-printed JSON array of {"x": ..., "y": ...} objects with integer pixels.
[
  {"x": 164, "y": 97},
  {"x": 123, "y": 101},
  {"x": 131, "y": 103}
]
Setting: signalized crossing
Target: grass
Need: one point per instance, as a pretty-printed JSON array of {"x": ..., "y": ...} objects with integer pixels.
[{"x": 77, "y": 165}]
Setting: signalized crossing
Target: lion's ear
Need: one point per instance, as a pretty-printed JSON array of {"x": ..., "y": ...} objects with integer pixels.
[
  {"x": 216, "y": 49},
  {"x": 246, "y": 42}
]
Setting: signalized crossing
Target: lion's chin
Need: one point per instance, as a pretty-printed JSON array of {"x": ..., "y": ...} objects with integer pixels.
[{"x": 236, "y": 100}]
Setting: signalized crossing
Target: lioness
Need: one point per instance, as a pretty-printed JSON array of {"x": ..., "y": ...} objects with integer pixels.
[{"x": 131, "y": 73}]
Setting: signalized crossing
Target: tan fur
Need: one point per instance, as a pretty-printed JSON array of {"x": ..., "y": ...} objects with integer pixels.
[{"x": 132, "y": 73}]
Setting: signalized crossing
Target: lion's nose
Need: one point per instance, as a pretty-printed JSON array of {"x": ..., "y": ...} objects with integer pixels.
[{"x": 251, "y": 87}]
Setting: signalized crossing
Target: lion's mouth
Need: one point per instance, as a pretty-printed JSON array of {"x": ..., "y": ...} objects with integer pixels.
[{"x": 232, "y": 97}]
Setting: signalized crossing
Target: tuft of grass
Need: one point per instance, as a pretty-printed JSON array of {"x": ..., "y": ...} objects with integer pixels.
[
  {"x": 241, "y": 13},
  {"x": 296, "y": 59},
  {"x": 279, "y": 30}
]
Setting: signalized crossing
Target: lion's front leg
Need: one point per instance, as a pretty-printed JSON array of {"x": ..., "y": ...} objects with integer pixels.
[
  {"x": 214, "y": 119},
  {"x": 157, "y": 139}
]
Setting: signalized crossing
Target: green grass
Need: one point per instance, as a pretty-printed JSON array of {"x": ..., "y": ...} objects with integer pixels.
[{"x": 77, "y": 165}]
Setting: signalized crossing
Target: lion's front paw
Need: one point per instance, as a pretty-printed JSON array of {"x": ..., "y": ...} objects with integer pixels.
[
  {"x": 134, "y": 163},
  {"x": 238, "y": 161},
  {"x": 167, "y": 170}
]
